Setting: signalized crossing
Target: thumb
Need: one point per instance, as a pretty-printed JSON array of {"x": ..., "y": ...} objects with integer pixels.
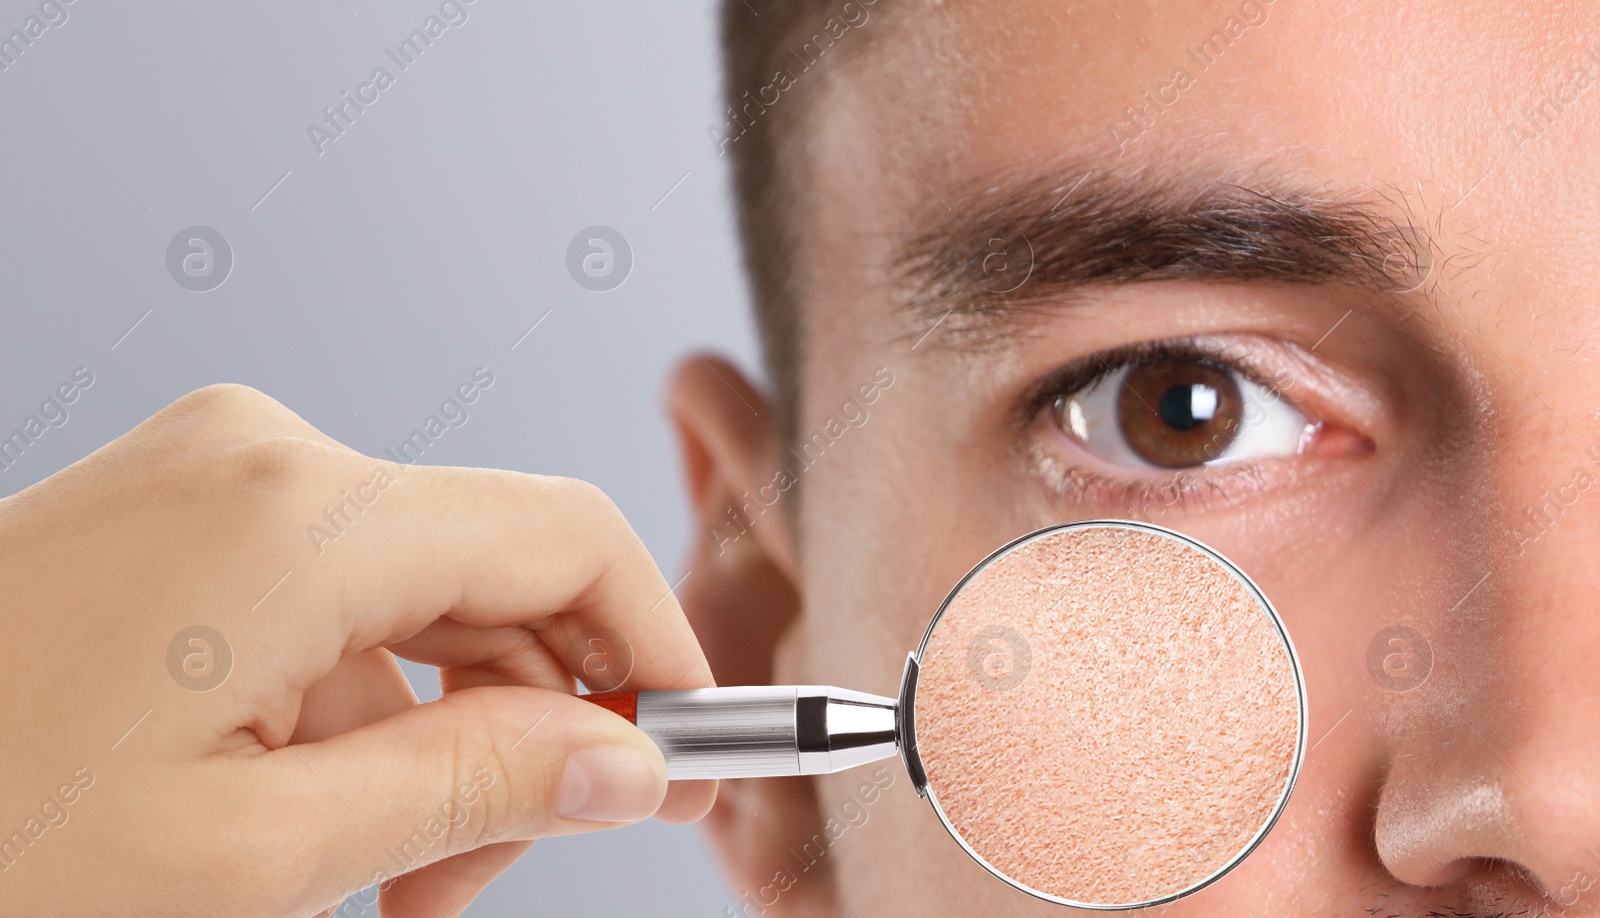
[{"x": 479, "y": 766}]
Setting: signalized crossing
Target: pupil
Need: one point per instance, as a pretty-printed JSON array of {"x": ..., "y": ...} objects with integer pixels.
[{"x": 1186, "y": 407}]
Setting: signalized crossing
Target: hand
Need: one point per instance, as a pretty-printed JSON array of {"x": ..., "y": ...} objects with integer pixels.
[{"x": 204, "y": 714}]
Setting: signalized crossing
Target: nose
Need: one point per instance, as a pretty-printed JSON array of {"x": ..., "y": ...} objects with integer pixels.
[{"x": 1494, "y": 776}]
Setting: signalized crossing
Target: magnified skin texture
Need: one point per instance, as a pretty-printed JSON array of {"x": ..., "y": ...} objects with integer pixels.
[
  {"x": 1464, "y": 506},
  {"x": 1106, "y": 715}
]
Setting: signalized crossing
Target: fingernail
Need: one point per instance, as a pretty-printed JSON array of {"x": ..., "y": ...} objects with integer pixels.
[{"x": 609, "y": 784}]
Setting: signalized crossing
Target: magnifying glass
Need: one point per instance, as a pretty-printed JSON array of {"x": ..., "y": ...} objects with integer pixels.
[{"x": 1103, "y": 714}]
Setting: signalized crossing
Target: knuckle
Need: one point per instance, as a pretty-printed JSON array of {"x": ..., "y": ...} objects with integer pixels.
[
  {"x": 278, "y": 463},
  {"x": 486, "y": 809},
  {"x": 226, "y": 400},
  {"x": 585, "y": 493},
  {"x": 597, "y": 506},
  {"x": 587, "y": 499},
  {"x": 497, "y": 793},
  {"x": 199, "y": 426}
]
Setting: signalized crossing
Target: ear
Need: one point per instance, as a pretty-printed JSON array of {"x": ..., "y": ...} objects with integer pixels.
[{"x": 740, "y": 595}]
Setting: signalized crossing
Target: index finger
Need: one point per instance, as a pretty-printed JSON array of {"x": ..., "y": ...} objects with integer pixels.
[
  {"x": 486, "y": 549},
  {"x": 552, "y": 554}
]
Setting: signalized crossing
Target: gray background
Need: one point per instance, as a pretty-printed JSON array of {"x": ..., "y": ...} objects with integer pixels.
[{"x": 377, "y": 275}]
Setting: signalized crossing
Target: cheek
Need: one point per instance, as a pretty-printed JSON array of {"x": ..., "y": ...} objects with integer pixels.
[
  {"x": 871, "y": 577},
  {"x": 1347, "y": 567},
  {"x": 902, "y": 862}
]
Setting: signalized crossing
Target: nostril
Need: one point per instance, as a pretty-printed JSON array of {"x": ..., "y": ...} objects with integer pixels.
[
  {"x": 1466, "y": 874},
  {"x": 1452, "y": 874}
]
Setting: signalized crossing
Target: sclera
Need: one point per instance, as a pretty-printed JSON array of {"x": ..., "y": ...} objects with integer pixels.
[{"x": 1136, "y": 744}]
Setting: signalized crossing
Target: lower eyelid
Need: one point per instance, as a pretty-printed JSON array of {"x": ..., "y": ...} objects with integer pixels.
[{"x": 1185, "y": 489}]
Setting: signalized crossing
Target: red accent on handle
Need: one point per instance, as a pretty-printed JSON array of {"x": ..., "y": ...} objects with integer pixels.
[{"x": 622, "y": 704}]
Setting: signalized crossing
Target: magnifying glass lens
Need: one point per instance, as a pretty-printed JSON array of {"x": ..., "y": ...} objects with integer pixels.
[{"x": 1109, "y": 715}]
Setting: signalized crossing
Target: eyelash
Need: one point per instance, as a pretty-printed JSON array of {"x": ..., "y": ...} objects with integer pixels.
[{"x": 1196, "y": 488}]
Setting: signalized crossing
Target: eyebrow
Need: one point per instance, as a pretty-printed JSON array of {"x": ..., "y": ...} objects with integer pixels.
[{"x": 1021, "y": 243}]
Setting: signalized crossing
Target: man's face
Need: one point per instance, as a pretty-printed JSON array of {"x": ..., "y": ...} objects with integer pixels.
[{"x": 1420, "y": 458}]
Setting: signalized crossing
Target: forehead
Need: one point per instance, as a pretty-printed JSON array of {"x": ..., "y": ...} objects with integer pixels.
[
  {"x": 1474, "y": 119},
  {"x": 992, "y": 80}
]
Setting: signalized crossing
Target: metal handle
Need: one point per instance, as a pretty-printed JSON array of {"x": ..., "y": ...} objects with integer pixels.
[
  {"x": 717, "y": 733},
  {"x": 760, "y": 731}
]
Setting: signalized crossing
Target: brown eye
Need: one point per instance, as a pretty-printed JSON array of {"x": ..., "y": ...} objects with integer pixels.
[
  {"x": 1177, "y": 414},
  {"x": 1179, "y": 411}
]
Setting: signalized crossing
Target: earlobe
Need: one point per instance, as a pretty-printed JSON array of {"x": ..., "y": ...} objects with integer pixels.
[
  {"x": 760, "y": 833},
  {"x": 740, "y": 595}
]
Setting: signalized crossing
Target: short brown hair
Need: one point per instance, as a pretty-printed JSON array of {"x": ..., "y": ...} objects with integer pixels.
[{"x": 768, "y": 85}]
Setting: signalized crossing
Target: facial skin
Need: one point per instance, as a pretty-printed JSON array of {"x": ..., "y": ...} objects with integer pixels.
[{"x": 1449, "y": 488}]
